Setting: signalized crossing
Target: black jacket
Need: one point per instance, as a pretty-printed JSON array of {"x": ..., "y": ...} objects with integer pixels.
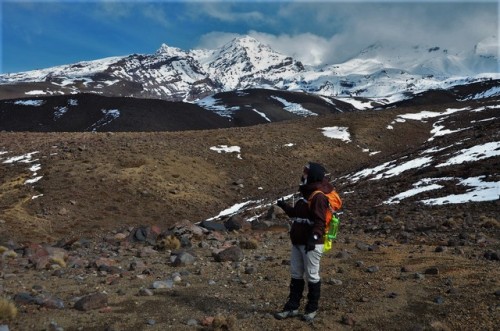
[{"x": 309, "y": 217}]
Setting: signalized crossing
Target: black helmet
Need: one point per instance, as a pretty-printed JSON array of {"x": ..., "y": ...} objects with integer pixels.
[{"x": 313, "y": 172}]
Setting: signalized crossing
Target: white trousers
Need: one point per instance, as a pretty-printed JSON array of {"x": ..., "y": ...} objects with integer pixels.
[{"x": 305, "y": 266}]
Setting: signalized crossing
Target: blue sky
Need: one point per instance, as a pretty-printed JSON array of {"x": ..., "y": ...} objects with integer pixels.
[{"x": 40, "y": 34}]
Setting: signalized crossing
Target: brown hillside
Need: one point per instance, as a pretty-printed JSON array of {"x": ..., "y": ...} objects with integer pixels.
[{"x": 394, "y": 267}]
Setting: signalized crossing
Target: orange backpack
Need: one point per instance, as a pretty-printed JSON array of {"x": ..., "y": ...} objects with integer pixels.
[
  {"x": 331, "y": 219},
  {"x": 334, "y": 204}
]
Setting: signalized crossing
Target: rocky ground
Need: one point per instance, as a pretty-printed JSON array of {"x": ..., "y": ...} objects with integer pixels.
[{"x": 109, "y": 238}]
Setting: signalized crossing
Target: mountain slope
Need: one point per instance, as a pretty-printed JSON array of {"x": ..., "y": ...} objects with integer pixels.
[
  {"x": 90, "y": 112},
  {"x": 378, "y": 72},
  {"x": 88, "y": 213},
  {"x": 182, "y": 170}
]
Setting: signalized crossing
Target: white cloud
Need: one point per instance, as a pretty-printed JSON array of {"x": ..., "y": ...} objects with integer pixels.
[
  {"x": 307, "y": 47},
  {"x": 330, "y": 32},
  {"x": 213, "y": 40}
]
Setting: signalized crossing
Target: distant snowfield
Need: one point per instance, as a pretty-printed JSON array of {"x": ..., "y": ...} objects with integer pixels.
[
  {"x": 294, "y": 108},
  {"x": 28, "y": 160},
  {"x": 217, "y": 106},
  {"x": 227, "y": 149},
  {"x": 336, "y": 132},
  {"x": 494, "y": 91},
  {"x": 361, "y": 105},
  {"x": 32, "y": 103}
]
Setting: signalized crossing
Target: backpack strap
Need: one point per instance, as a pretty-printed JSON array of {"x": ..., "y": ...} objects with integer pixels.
[{"x": 314, "y": 194}]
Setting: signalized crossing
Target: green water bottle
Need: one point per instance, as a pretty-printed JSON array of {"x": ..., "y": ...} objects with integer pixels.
[
  {"x": 332, "y": 233},
  {"x": 334, "y": 227}
]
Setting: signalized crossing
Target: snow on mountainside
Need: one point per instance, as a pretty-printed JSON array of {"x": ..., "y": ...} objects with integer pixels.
[
  {"x": 245, "y": 61},
  {"x": 379, "y": 72}
]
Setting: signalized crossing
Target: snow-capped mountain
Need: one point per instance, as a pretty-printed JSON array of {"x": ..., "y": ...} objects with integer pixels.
[
  {"x": 378, "y": 72},
  {"x": 245, "y": 62}
]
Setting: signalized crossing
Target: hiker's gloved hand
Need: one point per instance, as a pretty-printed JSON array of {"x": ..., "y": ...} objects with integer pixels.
[
  {"x": 311, "y": 242},
  {"x": 281, "y": 203}
]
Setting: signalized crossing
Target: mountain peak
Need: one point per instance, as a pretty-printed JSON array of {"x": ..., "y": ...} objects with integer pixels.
[
  {"x": 246, "y": 41},
  {"x": 247, "y": 44},
  {"x": 241, "y": 60},
  {"x": 170, "y": 51}
]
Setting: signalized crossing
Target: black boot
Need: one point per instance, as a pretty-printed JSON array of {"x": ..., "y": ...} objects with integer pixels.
[
  {"x": 312, "y": 301},
  {"x": 291, "y": 308}
]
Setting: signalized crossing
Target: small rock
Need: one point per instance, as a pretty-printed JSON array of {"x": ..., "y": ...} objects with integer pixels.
[
  {"x": 49, "y": 302},
  {"x": 92, "y": 301},
  {"x": 406, "y": 269},
  {"x": 192, "y": 322},
  {"x": 261, "y": 224},
  {"x": 333, "y": 281},
  {"x": 372, "y": 269},
  {"x": 439, "y": 300},
  {"x": 162, "y": 284},
  {"x": 492, "y": 255},
  {"x": 24, "y": 298},
  {"x": 186, "y": 241},
  {"x": 362, "y": 246},
  {"x": 440, "y": 249},
  {"x": 145, "y": 292},
  {"x": 348, "y": 320},
  {"x": 233, "y": 254},
  {"x": 138, "y": 265},
  {"x": 183, "y": 259},
  {"x": 176, "y": 277},
  {"x": 432, "y": 271},
  {"x": 213, "y": 226},
  {"x": 236, "y": 223},
  {"x": 418, "y": 276}
]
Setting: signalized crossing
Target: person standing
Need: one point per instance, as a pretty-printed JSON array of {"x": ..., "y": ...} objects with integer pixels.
[{"x": 307, "y": 237}]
